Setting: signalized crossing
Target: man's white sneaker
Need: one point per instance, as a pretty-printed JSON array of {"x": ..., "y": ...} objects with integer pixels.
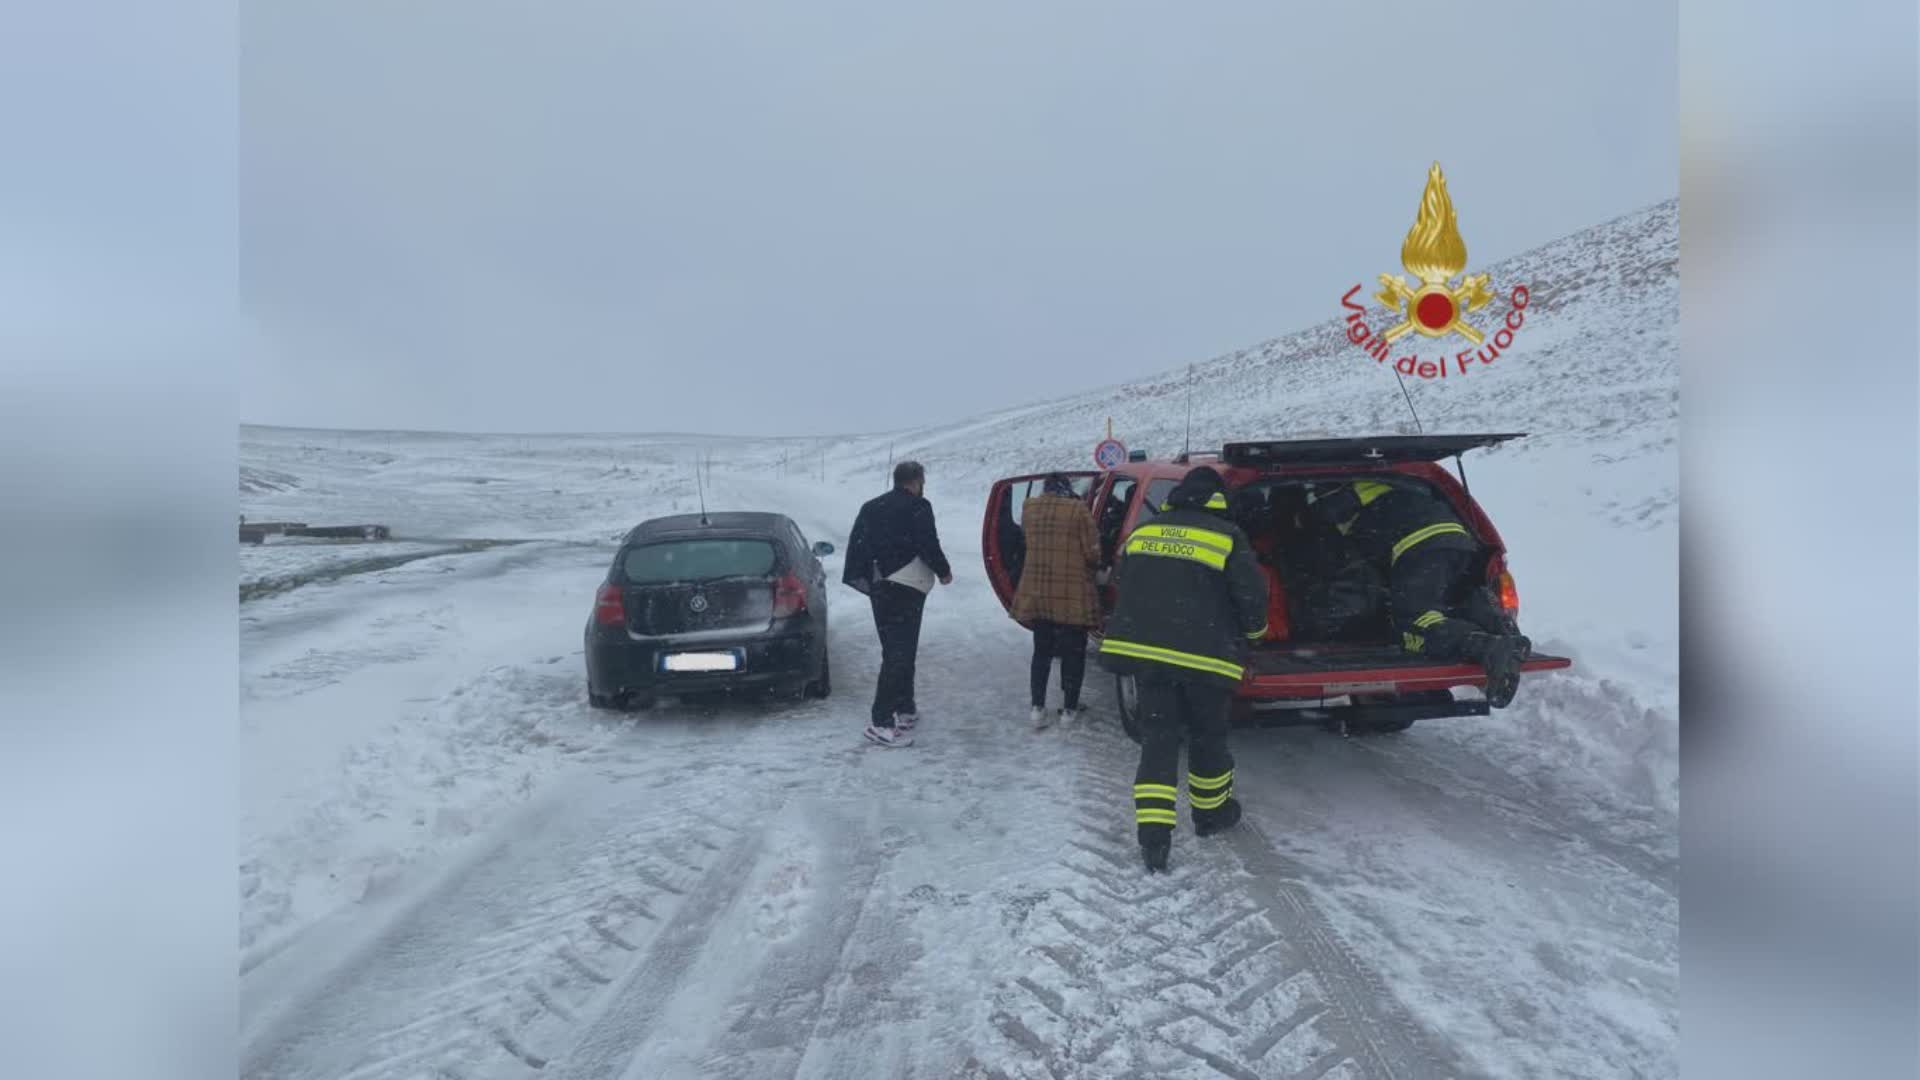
[
  {"x": 1042, "y": 719},
  {"x": 1067, "y": 717},
  {"x": 906, "y": 721},
  {"x": 888, "y": 736}
]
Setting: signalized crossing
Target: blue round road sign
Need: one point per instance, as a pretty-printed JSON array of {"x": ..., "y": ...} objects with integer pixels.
[{"x": 1109, "y": 453}]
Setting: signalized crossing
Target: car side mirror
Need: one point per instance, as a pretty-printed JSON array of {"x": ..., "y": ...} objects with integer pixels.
[{"x": 822, "y": 549}]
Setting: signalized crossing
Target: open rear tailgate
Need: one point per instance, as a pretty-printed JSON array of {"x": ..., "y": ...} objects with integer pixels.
[
  {"x": 1366, "y": 450},
  {"x": 1336, "y": 670}
]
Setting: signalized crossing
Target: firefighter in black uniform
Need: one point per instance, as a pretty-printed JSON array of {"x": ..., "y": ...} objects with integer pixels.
[
  {"x": 1428, "y": 554},
  {"x": 1191, "y": 599}
]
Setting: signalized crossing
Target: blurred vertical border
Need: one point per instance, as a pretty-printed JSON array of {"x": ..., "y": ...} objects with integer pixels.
[
  {"x": 117, "y": 492},
  {"x": 1800, "y": 133},
  {"x": 1800, "y": 277}
]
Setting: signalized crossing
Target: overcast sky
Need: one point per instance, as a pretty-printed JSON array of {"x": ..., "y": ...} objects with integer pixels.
[{"x": 831, "y": 216}]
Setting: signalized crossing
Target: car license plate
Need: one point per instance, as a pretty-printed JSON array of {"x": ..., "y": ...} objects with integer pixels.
[
  {"x": 701, "y": 661},
  {"x": 1335, "y": 689}
]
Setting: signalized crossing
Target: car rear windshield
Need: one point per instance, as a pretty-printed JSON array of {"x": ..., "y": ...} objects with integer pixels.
[{"x": 697, "y": 560}]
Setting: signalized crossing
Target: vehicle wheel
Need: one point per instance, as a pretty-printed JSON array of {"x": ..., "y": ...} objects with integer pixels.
[
  {"x": 822, "y": 686},
  {"x": 602, "y": 701},
  {"x": 1126, "y": 693}
]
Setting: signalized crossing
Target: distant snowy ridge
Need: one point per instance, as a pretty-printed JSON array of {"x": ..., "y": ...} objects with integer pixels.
[{"x": 1597, "y": 360}]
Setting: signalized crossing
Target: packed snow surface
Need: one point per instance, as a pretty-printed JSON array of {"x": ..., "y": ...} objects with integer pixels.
[{"x": 451, "y": 867}]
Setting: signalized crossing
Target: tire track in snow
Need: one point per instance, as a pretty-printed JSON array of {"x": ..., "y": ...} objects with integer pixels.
[
  {"x": 1390, "y": 1042},
  {"x": 482, "y": 972},
  {"x": 631, "y": 1011},
  {"x": 752, "y": 977},
  {"x": 756, "y": 987},
  {"x": 1456, "y": 776},
  {"x": 1203, "y": 972},
  {"x": 1494, "y": 899}
]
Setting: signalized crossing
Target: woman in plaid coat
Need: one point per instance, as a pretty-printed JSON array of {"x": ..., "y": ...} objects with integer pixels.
[{"x": 1057, "y": 598}]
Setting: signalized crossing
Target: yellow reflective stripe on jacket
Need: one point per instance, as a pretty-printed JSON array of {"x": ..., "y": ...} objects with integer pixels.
[
  {"x": 1178, "y": 549},
  {"x": 1216, "y": 502},
  {"x": 1369, "y": 490},
  {"x": 1418, "y": 536},
  {"x": 1204, "y": 546},
  {"x": 1428, "y": 619},
  {"x": 1258, "y": 634},
  {"x": 1207, "y": 538},
  {"x": 1170, "y": 656}
]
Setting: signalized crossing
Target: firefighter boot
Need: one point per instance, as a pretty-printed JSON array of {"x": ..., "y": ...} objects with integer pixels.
[
  {"x": 1502, "y": 655},
  {"x": 1218, "y": 820},
  {"x": 1155, "y": 847}
]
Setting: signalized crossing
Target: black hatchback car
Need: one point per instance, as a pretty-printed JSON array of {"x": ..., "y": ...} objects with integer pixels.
[{"x": 698, "y": 604}]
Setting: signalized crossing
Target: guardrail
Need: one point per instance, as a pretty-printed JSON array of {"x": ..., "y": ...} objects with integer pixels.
[{"x": 257, "y": 532}]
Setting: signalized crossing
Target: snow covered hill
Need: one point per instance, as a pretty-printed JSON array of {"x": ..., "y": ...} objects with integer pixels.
[
  {"x": 450, "y": 866},
  {"x": 1597, "y": 362}
]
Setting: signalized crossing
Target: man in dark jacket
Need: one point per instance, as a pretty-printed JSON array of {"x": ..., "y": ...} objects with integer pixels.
[
  {"x": 1428, "y": 554},
  {"x": 894, "y": 556},
  {"x": 1192, "y": 598}
]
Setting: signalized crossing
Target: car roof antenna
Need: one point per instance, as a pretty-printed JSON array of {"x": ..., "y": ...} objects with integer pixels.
[
  {"x": 1403, "y": 393},
  {"x": 701, "y": 487},
  {"x": 1186, "y": 447}
]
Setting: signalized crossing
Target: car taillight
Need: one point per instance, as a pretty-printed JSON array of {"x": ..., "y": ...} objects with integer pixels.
[
  {"x": 1504, "y": 591},
  {"x": 608, "y": 608},
  {"x": 1509, "y": 595},
  {"x": 789, "y": 596}
]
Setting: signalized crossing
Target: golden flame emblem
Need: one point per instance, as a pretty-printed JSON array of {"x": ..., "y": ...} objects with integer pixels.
[{"x": 1434, "y": 253}]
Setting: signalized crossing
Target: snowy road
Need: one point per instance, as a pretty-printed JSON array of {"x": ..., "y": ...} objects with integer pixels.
[{"x": 750, "y": 891}]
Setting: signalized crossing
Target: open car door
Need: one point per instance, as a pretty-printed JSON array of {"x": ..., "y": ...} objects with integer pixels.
[{"x": 1003, "y": 545}]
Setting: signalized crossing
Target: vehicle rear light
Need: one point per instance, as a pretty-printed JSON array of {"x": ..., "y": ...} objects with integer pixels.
[
  {"x": 1509, "y": 594},
  {"x": 608, "y": 608},
  {"x": 789, "y": 596}
]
